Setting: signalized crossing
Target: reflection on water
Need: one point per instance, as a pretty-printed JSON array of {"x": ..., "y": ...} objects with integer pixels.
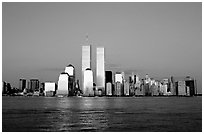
[{"x": 102, "y": 114}]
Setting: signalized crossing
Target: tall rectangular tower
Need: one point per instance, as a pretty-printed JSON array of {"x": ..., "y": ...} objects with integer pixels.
[
  {"x": 86, "y": 61},
  {"x": 100, "y": 69}
]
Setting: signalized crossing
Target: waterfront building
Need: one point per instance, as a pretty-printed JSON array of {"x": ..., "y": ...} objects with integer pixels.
[
  {"x": 4, "y": 87},
  {"x": 164, "y": 89},
  {"x": 134, "y": 79},
  {"x": 132, "y": 90},
  {"x": 146, "y": 89},
  {"x": 34, "y": 85},
  {"x": 118, "y": 77},
  {"x": 108, "y": 76},
  {"x": 190, "y": 84},
  {"x": 99, "y": 92},
  {"x": 63, "y": 82},
  {"x": 126, "y": 89},
  {"x": 130, "y": 79},
  {"x": 22, "y": 84},
  {"x": 172, "y": 86},
  {"x": 71, "y": 71},
  {"x": 181, "y": 88},
  {"x": 86, "y": 61},
  {"x": 123, "y": 76},
  {"x": 78, "y": 91},
  {"x": 42, "y": 89},
  {"x": 50, "y": 88},
  {"x": 88, "y": 83},
  {"x": 140, "y": 91},
  {"x": 155, "y": 88},
  {"x": 100, "y": 69},
  {"x": 147, "y": 79},
  {"x": 118, "y": 88},
  {"x": 187, "y": 91},
  {"x": 109, "y": 89},
  {"x": 108, "y": 79},
  {"x": 28, "y": 86}
]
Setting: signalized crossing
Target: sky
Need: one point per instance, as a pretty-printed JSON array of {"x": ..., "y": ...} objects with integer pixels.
[{"x": 160, "y": 39}]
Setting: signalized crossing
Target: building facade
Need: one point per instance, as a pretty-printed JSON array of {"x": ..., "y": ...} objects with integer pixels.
[
  {"x": 71, "y": 71},
  {"x": 100, "y": 69},
  {"x": 88, "y": 83},
  {"x": 50, "y": 88},
  {"x": 22, "y": 84},
  {"x": 86, "y": 61},
  {"x": 109, "y": 89},
  {"x": 63, "y": 84},
  {"x": 34, "y": 85}
]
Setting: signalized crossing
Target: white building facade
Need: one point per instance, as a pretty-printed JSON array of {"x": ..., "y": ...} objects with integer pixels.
[
  {"x": 49, "y": 88},
  {"x": 88, "y": 83},
  {"x": 100, "y": 69},
  {"x": 86, "y": 62},
  {"x": 63, "y": 84}
]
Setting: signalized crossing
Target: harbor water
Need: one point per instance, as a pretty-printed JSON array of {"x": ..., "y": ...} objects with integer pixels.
[{"x": 101, "y": 114}]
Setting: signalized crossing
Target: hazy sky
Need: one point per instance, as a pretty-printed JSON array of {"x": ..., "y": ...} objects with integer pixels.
[{"x": 161, "y": 39}]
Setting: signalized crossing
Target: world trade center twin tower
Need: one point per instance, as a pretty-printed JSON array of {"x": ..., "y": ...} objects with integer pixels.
[{"x": 87, "y": 72}]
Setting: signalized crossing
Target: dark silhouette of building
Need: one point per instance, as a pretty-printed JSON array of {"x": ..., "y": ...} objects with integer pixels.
[
  {"x": 108, "y": 76},
  {"x": 130, "y": 79},
  {"x": 191, "y": 85},
  {"x": 34, "y": 85},
  {"x": 42, "y": 89},
  {"x": 22, "y": 84},
  {"x": 9, "y": 89},
  {"x": 108, "y": 79}
]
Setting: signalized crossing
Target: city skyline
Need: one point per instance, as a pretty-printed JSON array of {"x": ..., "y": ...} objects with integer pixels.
[{"x": 145, "y": 38}]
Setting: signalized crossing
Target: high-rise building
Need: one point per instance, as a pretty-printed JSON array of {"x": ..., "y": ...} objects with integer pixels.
[
  {"x": 71, "y": 71},
  {"x": 172, "y": 86},
  {"x": 88, "y": 83},
  {"x": 108, "y": 76},
  {"x": 190, "y": 85},
  {"x": 109, "y": 89},
  {"x": 130, "y": 79},
  {"x": 34, "y": 85},
  {"x": 118, "y": 77},
  {"x": 63, "y": 84},
  {"x": 22, "y": 84},
  {"x": 50, "y": 88},
  {"x": 126, "y": 89},
  {"x": 109, "y": 82},
  {"x": 100, "y": 69},
  {"x": 86, "y": 61},
  {"x": 118, "y": 88}
]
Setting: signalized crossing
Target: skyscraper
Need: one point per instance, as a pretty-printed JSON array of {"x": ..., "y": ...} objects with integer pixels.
[
  {"x": 63, "y": 84},
  {"x": 109, "y": 89},
  {"x": 100, "y": 69},
  {"x": 88, "y": 83},
  {"x": 126, "y": 89},
  {"x": 71, "y": 71},
  {"x": 86, "y": 61},
  {"x": 22, "y": 84},
  {"x": 108, "y": 76},
  {"x": 34, "y": 85},
  {"x": 109, "y": 82},
  {"x": 118, "y": 77}
]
